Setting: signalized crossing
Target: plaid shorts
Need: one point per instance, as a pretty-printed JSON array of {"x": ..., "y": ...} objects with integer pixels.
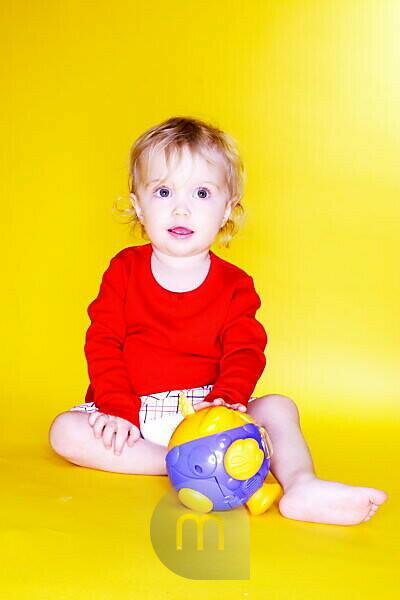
[{"x": 159, "y": 413}]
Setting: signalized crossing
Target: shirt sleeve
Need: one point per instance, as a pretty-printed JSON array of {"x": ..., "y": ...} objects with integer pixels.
[
  {"x": 110, "y": 386},
  {"x": 243, "y": 340}
]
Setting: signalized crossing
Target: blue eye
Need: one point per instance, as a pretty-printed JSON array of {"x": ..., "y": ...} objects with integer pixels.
[
  {"x": 163, "y": 188},
  {"x": 207, "y": 190}
]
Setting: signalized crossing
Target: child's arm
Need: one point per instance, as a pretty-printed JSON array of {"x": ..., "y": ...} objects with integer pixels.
[
  {"x": 112, "y": 390},
  {"x": 243, "y": 343}
]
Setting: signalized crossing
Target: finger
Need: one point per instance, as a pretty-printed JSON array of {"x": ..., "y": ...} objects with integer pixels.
[
  {"x": 134, "y": 435},
  {"x": 108, "y": 433},
  {"x": 218, "y": 401},
  {"x": 93, "y": 417},
  {"x": 99, "y": 425},
  {"x": 240, "y": 407},
  {"x": 200, "y": 405},
  {"x": 120, "y": 439},
  {"x": 221, "y": 402}
]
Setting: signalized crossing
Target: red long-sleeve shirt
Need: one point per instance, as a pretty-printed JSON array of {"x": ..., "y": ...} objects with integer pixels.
[{"x": 145, "y": 339}]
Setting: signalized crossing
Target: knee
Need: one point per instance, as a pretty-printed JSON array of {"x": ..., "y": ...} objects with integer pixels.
[
  {"x": 63, "y": 434},
  {"x": 280, "y": 407}
]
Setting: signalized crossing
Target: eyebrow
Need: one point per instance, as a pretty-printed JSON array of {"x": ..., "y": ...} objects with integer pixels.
[{"x": 155, "y": 181}]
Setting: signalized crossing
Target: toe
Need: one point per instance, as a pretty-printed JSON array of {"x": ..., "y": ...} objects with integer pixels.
[
  {"x": 378, "y": 497},
  {"x": 367, "y": 518},
  {"x": 371, "y": 511}
]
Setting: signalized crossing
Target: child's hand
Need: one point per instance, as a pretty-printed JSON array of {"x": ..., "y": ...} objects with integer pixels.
[
  {"x": 106, "y": 425},
  {"x": 220, "y": 402}
]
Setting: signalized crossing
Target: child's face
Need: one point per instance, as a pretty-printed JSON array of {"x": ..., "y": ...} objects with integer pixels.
[{"x": 193, "y": 195}]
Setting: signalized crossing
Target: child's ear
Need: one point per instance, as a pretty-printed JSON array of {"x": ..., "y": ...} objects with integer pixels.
[
  {"x": 136, "y": 205},
  {"x": 227, "y": 213}
]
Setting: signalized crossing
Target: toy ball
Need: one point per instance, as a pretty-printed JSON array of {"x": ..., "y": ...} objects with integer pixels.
[{"x": 218, "y": 459}]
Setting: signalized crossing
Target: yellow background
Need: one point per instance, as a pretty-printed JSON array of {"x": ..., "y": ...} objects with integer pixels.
[{"x": 311, "y": 92}]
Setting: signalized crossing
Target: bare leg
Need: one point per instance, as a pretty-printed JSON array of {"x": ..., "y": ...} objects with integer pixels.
[
  {"x": 72, "y": 437},
  {"x": 306, "y": 497}
]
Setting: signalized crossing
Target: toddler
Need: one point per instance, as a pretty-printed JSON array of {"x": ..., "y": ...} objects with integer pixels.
[{"x": 173, "y": 316}]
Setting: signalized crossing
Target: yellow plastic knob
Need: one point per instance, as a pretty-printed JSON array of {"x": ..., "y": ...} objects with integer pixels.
[
  {"x": 195, "y": 500},
  {"x": 243, "y": 458},
  {"x": 263, "y": 498}
]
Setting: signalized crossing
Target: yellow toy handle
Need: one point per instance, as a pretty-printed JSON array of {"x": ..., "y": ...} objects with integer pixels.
[{"x": 184, "y": 405}]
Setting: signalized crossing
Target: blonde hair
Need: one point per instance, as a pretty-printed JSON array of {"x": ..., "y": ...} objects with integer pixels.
[{"x": 173, "y": 135}]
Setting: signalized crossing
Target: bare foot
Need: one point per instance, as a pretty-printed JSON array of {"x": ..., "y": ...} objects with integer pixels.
[{"x": 320, "y": 501}]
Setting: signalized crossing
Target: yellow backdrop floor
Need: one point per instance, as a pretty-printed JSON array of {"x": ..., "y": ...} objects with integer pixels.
[{"x": 69, "y": 532}]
